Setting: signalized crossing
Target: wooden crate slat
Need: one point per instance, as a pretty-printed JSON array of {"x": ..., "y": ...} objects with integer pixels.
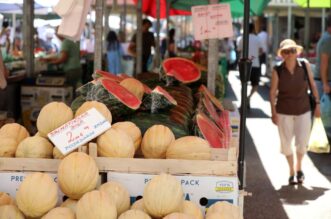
[
  {"x": 29, "y": 164},
  {"x": 172, "y": 166},
  {"x": 129, "y": 165}
]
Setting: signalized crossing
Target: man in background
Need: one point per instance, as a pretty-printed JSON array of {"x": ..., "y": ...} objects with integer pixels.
[
  {"x": 323, "y": 62},
  {"x": 148, "y": 42}
]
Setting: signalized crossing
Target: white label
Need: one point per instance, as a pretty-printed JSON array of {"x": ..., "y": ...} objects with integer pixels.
[
  {"x": 79, "y": 131},
  {"x": 202, "y": 190},
  {"x": 212, "y": 21}
]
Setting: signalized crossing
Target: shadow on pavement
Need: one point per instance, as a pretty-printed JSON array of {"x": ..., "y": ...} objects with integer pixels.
[
  {"x": 256, "y": 113},
  {"x": 299, "y": 194},
  {"x": 264, "y": 196},
  {"x": 322, "y": 162}
]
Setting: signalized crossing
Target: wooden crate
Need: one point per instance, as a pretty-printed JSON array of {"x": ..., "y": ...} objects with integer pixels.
[{"x": 224, "y": 163}]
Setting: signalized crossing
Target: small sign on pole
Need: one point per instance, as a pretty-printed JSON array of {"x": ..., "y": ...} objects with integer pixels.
[
  {"x": 79, "y": 131},
  {"x": 212, "y": 21}
]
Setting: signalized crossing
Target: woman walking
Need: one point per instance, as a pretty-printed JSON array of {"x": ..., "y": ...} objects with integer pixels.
[
  {"x": 290, "y": 105},
  {"x": 114, "y": 53}
]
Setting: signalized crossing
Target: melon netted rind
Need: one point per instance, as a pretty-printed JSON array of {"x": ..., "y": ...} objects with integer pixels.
[{"x": 10, "y": 212}]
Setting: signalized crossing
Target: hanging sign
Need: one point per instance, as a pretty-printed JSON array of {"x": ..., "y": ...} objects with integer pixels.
[
  {"x": 212, "y": 21},
  {"x": 79, "y": 131}
]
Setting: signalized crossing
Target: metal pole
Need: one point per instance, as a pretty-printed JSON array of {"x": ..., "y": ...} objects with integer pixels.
[
  {"x": 212, "y": 60},
  {"x": 157, "y": 43},
  {"x": 307, "y": 29},
  {"x": 245, "y": 65},
  {"x": 106, "y": 27},
  {"x": 289, "y": 21},
  {"x": 99, "y": 9},
  {"x": 323, "y": 19},
  {"x": 139, "y": 39},
  {"x": 28, "y": 32}
]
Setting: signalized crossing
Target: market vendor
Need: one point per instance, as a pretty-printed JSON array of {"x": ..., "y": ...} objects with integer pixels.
[
  {"x": 3, "y": 74},
  {"x": 69, "y": 57}
]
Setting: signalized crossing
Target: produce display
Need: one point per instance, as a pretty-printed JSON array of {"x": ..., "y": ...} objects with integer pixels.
[
  {"x": 162, "y": 198},
  {"x": 172, "y": 118}
]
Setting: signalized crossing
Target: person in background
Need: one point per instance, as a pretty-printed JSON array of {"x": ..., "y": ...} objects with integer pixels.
[
  {"x": 114, "y": 53},
  {"x": 5, "y": 37},
  {"x": 50, "y": 46},
  {"x": 255, "y": 49},
  {"x": 17, "y": 47},
  {"x": 3, "y": 74},
  {"x": 69, "y": 57},
  {"x": 323, "y": 61},
  {"x": 290, "y": 107},
  {"x": 170, "y": 50},
  {"x": 148, "y": 42},
  {"x": 264, "y": 39}
]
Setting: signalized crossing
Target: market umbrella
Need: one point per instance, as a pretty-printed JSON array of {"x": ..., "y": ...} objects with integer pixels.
[
  {"x": 314, "y": 3},
  {"x": 149, "y": 7}
]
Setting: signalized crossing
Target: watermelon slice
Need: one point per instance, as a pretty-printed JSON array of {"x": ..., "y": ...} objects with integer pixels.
[
  {"x": 210, "y": 131},
  {"x": 109, "y": 75},
  {"x": 120, "y": 93},
  {"x": 211, "y": 111},
  {"x": 182, "y": 69},
  {"x": 203, "y": 89}
]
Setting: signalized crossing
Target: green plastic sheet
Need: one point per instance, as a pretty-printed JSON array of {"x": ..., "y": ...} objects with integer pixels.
[
  {"x": 314, "y": 3},
  {"x": 237, "y": 6}
]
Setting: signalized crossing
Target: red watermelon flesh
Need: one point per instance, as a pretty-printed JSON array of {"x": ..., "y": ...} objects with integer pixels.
[
  {"x": 212, "y": 98},
  {"x": 160, "y": 90},
  {"x": 212, "y": 111},
  {"x": 182, "y": 69},
  {"x": 111, "y": 76},
  {"x": 210, "y": 131},
  {"x": 225, "y": 120},
  {"x": 121, "y": 93}
]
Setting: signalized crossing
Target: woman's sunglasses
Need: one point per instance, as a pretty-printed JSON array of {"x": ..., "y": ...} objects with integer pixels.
[{"x": 289, "y": 51}]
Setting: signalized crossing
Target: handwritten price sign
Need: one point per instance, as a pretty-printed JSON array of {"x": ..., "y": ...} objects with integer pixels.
[
  {"x": 212, "y": 21},
  {"x": 79, "y": 131}
]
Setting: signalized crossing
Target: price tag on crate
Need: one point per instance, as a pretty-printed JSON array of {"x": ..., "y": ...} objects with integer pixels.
[{"x": 79, "y": 131}]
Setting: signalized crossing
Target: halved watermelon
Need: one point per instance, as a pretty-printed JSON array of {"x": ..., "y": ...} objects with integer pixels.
[
  {"x": 203, "y": 89},
  {"x": 121, "y": 93},
  {"x": 182, "y": 69},
  {"x": 210, "y": 131},
  {"x": 109, "y": 75},
  {"x": 157, "y": 100}
]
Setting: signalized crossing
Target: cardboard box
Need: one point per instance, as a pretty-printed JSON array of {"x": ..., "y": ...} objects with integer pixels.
[
  {"x": 202, "y": 190},
  {"x": 33, "y": 98}
]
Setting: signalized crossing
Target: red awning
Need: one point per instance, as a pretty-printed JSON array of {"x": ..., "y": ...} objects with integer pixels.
[{"x": 149, "y": 8}]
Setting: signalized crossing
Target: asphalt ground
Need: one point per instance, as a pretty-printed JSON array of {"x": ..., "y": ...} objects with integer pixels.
[{"x": 266, "y": 173}]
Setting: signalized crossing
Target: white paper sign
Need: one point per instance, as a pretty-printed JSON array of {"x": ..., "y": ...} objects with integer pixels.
[
  {"x": 212, "y": 21},
  {"x": 79, "y": 131}
]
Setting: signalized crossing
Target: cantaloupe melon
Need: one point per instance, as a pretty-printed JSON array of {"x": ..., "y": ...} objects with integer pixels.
[
  {"x": 10, "y": 212},
  {"x": 156, "y": 141},
  {"x": 192, "y": 209},
  {"x": 60, "y": 212},
  {"x": 77, "y": 174},
  {"x": 115, "y": 143},
  {"x": 118, "y": 195},
  {"x": 15, "y": 131},
  {"x": 52, "y": 116},
  {"x": 35, "y": 147},
  {"x": 101, "y": 107},
  {"x": 189, "y": 148},
  {"x": 96, "y": 204},
  {"x": 134, "y": 214},
  {"x": 8, "y": 147},
  {"x": 132, "y": 130},
  {"x": 163, "y": 195},
  {"x": 5, "y": 199},
  {"x": 37, "y": 194}
]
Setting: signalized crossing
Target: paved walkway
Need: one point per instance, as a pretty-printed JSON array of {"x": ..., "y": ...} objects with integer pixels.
[{"x": 267, "y": 172}]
